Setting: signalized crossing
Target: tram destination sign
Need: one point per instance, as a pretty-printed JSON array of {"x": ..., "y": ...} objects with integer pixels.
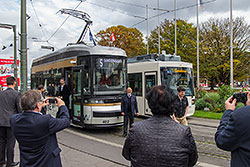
[{"x": 108, "y": 62}]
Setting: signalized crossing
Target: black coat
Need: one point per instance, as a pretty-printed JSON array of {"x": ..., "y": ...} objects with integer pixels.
[
  {"x": 9, "y": 105},
  {"x": 125, "y": 105},
  {"x": 233, "y": 135},
  {"x": 36, "y": 135},
  {"x": 160, "y": 142},
  {"x": 65, "y": 93}
]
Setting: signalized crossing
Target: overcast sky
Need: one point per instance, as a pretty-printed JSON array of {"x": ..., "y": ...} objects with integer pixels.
[{"x": 103, "y": 13}]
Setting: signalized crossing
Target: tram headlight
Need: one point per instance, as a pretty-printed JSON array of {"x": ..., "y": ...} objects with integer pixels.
[
  {"x": 96, "y": 101},
  {"x": 101, "y": 102}
]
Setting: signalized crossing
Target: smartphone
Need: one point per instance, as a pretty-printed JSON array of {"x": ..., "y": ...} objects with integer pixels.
[{"x": 52, "y": 101}]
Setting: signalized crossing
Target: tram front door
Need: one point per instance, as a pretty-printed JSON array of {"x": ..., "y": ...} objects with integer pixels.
[
  {"x": 150, "y": 81},
  {"x": 77, "y": 81}
]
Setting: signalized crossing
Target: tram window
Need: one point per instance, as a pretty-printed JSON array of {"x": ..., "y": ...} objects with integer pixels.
[
  {"x": 109, "y": 74},
  {"x": 178, "y": 76},
  {"x": 135, "y": 82},
  {"x": 86, "y": 80}
]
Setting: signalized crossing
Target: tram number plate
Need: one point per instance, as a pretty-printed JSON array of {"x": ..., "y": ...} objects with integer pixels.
[{"x": 105, "y": 121}]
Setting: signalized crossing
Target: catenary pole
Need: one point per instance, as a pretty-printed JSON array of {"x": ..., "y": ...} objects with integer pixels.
[
  {"x": 231, "y": 44},
  {"x": 175, "y": 30},
  {"x": 23, "y": 49},
  {"x": 198, "y": 69},
  {"x": 159, "y": 28},
  {"x": 147, "y": 28}
]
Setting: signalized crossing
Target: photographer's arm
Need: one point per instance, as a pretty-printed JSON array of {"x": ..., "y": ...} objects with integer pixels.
[
  {"x": 226, "y": 137},
  {"x": 62, "y": 119}
]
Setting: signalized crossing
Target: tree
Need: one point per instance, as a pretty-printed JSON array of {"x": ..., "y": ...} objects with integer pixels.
[
  {"x": 215, "y": 49},
  {"x": 186, "y": 39},
  {"x": 128, "y": 39}
]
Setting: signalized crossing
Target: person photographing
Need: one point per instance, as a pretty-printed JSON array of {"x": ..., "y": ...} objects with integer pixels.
[
  {"x": 36, "y": 133},
  {"x": 233, "y": 132}
]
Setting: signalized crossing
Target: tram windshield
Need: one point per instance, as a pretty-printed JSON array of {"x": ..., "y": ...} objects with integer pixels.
[
  {"x": 109, "y": 75},
  {"x": 178, "y": 76}
]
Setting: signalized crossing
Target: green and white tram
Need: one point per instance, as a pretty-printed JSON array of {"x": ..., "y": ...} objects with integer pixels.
[
  {"x": 97, "y": 79},
  {"x": 148, "y": 70}
]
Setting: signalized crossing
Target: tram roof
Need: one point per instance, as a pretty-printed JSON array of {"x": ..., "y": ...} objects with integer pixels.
[
  {"x": 154, "y": 58},
  {"x": 87, "y": 50}
]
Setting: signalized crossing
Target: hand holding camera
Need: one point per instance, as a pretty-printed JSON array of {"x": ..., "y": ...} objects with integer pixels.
[
  {"x": 230, "y": 103},
  {"x": 56, "y": 101},
  {"x": 243, "y": 97},
  {"x": 240, "y": 97}
]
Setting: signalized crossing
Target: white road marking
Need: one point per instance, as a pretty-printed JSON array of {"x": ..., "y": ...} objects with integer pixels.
[
  {"x": 201, "y": 164},
  {"x": 94, "y": 138}
]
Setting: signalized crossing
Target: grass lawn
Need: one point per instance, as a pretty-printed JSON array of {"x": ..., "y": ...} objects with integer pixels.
[{"x": 207, "y": 114}]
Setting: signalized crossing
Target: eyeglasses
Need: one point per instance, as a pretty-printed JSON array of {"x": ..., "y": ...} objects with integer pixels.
[{"x": 41, "y": 102}]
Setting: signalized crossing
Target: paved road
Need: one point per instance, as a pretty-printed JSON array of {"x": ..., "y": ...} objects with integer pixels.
[
  {"x": 203, "y": 131},
  {"x": 102, "y": 148}
]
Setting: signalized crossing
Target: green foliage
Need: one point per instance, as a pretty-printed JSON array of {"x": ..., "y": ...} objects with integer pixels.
[
  {"x": 199, "y": 93},
  {"x": 215, "y": 50},
  {"x": 200, "y": 104},
  {"x": 245, "y": 88},
  {"x": 213, "y": 100},
  {"x": 186, "y": 39},
  {"x": 214, "y": 96},
  {"x": 210, "y": 115},
  {"x": 225, "y": 91},
  {"x": 128, "y": 39},
  {"x": 219, "y": 107}
]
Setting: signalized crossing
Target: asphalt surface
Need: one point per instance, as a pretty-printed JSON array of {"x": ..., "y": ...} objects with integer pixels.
[{"x": 102, "y": 147}]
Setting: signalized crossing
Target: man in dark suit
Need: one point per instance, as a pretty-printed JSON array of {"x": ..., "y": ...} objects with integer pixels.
[
  {"x": 64, "y": 92},
  {"x": 129, "y": 109},
  {"x": 233, "y": 132},
  {"x": 36, "y": 133},
  {"x": 9, "y": 105}
]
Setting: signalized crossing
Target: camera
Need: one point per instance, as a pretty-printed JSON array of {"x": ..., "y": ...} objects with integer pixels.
[
  {"x": 240, "y": 97},
  {"x": 52, "y": 101}
]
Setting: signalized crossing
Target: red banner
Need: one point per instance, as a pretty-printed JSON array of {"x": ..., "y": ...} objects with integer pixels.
[
  {"x": 3, "y": 80},
  {"x": 7, "y": 70},
  {"x": 8, "y": 61}
]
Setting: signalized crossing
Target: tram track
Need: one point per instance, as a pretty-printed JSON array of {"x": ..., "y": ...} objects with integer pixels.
[
  {"x": 205, "y": 147},
  {"x": 203, "y": 125}
]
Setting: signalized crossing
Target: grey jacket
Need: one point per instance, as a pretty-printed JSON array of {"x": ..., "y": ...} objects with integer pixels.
[
  {"x": 9, "y": 105},
  {"x": 160, "y": 142}
]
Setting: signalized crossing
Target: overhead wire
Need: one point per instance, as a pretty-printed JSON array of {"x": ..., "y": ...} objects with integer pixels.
[
  {"x": 63, "y": 22},
  {"x": 130, "y": 4},
  {"x": 163, "y": 13},
  {"x": 38, "y": 20},
  {"x": 120, "y": 11}
]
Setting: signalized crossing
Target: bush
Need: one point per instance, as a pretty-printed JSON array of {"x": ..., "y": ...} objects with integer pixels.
[
  {"x": 199, "y": 93},
  {"x": 200, "y": 104},
  {"x": 219, "y": 107},
  {"x": 215, "y": 101},
  {"x": 225, "y": 91},
  {"x": 213, "y": 96}
]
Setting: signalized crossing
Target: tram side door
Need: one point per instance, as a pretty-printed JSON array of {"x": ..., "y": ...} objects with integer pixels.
[
  {"x": 150, "y": 81},
  {"x": 77, "y": 95}
]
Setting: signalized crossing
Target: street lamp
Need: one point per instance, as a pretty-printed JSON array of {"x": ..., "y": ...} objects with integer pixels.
[{"x": 9, "y": 26}]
